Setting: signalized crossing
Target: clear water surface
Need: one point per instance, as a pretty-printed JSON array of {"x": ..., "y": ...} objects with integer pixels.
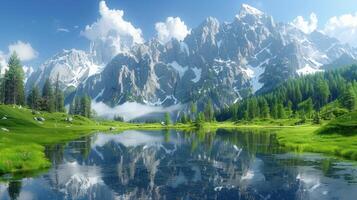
[{"x": 183, "y": 165}]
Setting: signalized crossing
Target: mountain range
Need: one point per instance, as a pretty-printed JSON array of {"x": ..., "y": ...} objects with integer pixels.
[{"x": 222, "y": 62}]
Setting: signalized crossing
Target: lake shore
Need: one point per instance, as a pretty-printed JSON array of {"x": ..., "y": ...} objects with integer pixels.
[{"x": 23, "y": 139}]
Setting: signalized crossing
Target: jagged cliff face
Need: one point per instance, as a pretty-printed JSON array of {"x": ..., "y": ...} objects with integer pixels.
[
  {"x": 219, "y": 61},
  {"x": 72, "y": 66}
]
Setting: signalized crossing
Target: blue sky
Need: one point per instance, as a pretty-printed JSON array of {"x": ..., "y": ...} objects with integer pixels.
[{"x": 38, "y": 22}]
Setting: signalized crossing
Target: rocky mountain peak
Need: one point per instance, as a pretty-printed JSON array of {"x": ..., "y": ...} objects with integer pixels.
[{"x": 249, "y": 10}]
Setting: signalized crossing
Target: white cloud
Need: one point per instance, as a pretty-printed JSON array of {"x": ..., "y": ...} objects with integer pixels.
[
  {"x": 3, "y": 63},
  {"x": 172, "y": 28},
  {"x": 24, "y": 50},
  {"x": 63, "y": 30},
  {"x": 306, "y": 26},
  {"x": 111, "y": 33},
  {"x": 343, "y": 27}
]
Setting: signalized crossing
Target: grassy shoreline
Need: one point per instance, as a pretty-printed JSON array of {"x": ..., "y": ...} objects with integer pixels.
[{"x": 23, "y": 139}]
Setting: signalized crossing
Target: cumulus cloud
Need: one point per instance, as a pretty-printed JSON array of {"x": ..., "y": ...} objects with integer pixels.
[
  {"x": 306, "y": 26},
  {"x": 173, "y": 27},
  {"x": 111, "y": 34},
  {"x": 343, "y": 27},
  {"x": 24, "y": 50}
]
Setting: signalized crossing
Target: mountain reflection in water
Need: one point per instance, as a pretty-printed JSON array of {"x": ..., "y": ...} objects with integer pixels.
[{"x": 184, "y": 165}]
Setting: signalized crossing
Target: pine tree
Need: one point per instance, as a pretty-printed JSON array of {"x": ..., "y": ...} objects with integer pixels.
[
  {"x": 193, "y": 110},
  {"x": 348, "y": 99},
  {"x": 183, "y": 119},
  {"x": 56, "y": 94},
  {"x": 60, "y": 102},
  {"x": 209, "y": 113},
  {"x": 274, "y": 109},
  {"x": 265, "y": 109},
  {"x": 251, "y": 109},
  {"x": 85, "y": 106},
  {"x": 306, "y": 107},
  {"x": 14, "y": 92},
  {"x": 33, "y": 99},
  {"x": 2, "y": 90},
  {"x": 200, "y": 117},
  {"x": 289, "y": 110},
  {"x": 322, "y": 93},
  {"x": 317, "y": 118},
  {"x": 167, "y": 119},
  {"x": 281, "y": 111},
  {"x": 77, "y": 106},
  {"x": 47, "y": 96}
]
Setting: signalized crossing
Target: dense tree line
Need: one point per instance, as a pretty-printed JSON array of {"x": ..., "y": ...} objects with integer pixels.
[
  {"x": 12, "y": 90},
  {"x": 81, "y": 106},
  {"x": 192, "y": 115},
  {"x": 302, "y": 97},
  {"x": 51, "y": 100}
]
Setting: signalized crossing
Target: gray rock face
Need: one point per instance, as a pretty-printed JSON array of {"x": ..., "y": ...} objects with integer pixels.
[
  {"x": 72, "y": 66},
  {"x": 219, "y": 61}
]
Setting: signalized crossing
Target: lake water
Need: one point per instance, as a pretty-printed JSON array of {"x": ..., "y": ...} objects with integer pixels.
[{"x": 184, "y": 165}]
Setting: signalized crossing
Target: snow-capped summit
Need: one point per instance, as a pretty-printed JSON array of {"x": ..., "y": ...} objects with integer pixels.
[
  {"x": 71, "y": 66},
  {"x": 218, "y": 61},
  {"x": 249, "y": 10}
]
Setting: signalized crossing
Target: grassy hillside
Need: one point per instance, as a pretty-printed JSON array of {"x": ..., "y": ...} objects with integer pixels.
[
  {"x": 22, "y": 138},
  {"x": 338, "y": 137},
  {"x": 345, "y": 125}
]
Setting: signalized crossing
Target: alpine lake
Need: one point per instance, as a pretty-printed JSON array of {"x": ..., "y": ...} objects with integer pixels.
[{"x": 171, "y": 164}]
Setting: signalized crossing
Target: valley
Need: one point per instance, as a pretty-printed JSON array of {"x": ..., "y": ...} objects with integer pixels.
[{"x": 239, "y": 106}]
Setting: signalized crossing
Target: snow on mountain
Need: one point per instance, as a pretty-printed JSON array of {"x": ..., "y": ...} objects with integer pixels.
[
  {"x": 28, "y": 70},
  {"x": 249, "y": 10},
  {"x": 223, "y": 62},
  {"x": 218, "y": 61},
  {"x": 308, "y": 70},
  {"x": 71, "y": 66}
]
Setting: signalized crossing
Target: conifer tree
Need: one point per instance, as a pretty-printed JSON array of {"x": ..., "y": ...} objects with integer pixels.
[
  {"x": 85, "y": 106},
  {"x": 14, "y": 92},
  {"x": 167, "y": 119},
  {"x": 265, "y": 109},
  {"x": 209, "y": 113},
  {"x": 348, "y": 99},
  {"x": 274, "y": 109},
  {"x": 317, "y": 118},
  {"x": 34, "y": 98},
  {"x": 281, "y": 111},
  {"x": 47, "y": 96},
  {"x": 193, "y": 111}
]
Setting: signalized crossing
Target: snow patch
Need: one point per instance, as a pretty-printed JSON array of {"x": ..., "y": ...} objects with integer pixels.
[
  {"x": 184, "y": 48},
  {"x": 159, "y": 102},
  {"x": 181, "y": 70},
  {"x": 254, "y": 74},
  {"x": 198, "y": 73},
  {"x": 308, "y": 70}
]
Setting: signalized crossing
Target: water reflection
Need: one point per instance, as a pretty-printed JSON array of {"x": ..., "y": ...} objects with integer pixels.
[{"x": 184, "y": 165}]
